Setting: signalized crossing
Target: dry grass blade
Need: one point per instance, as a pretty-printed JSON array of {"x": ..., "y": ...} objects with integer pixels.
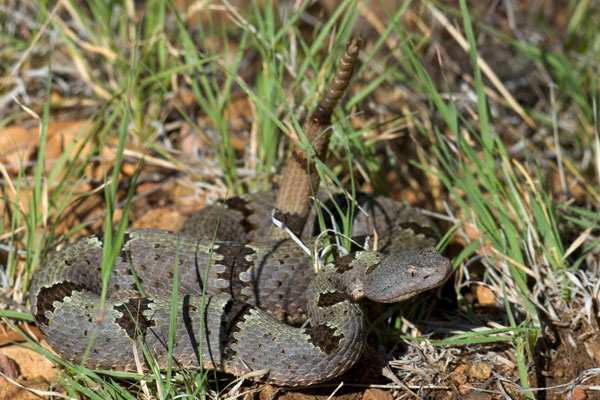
[{"x": 460, "y": 39}]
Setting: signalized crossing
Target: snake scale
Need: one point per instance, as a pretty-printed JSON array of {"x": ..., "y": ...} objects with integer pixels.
[{"x": 259, "y": 286}]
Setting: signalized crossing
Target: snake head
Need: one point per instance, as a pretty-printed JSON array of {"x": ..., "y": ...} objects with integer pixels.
[{"x": 400, "y": 276}]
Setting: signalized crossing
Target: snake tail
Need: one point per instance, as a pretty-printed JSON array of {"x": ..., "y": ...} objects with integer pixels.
[{"x": 294, "y": 198}]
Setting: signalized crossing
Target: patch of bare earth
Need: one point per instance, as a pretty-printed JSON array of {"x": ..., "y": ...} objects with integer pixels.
[{"x": 566, "y": 356}]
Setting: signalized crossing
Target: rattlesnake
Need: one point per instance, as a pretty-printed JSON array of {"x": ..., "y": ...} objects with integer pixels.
[{"x": 257, "y": 282}]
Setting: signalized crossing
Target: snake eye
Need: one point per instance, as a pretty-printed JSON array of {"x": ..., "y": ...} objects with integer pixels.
[{"x": 412, "y": 270}]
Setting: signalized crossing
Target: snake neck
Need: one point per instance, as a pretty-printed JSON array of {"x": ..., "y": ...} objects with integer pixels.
[
  {"x": 348, "y": 274},
  {"x": 336, "y": 287}
]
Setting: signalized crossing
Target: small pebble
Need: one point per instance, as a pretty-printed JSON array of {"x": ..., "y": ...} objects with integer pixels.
[{"x": 480, "y": 371}]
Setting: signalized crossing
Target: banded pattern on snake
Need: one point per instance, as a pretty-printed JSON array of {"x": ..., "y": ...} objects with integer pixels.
[{"x": 254, "y": 286}]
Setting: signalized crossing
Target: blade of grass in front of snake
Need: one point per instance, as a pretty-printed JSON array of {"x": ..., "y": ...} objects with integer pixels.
[
  {"x": 173, "y": 317},
  {"x": 112, "y": 245},
  {"x": 34, "y": 246},
  {"x": 201, "y": 337}
]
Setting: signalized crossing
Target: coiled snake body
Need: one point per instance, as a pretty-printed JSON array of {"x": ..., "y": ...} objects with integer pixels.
[
  {"x": 253, "y": 287},
  {"x": 236, "y": 334}
]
